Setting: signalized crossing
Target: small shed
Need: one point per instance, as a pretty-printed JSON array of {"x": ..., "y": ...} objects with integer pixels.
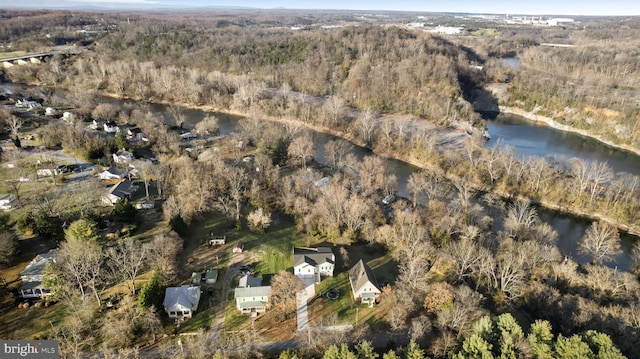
[
  {"x": 238, "y": 248},
  {"x": 211, "y": 276},
  {"x": 195, "y": 278},
  {"x": 217, "y": 240}
]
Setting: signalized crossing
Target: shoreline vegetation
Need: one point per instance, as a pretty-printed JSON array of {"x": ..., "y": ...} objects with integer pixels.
[
  {"x": 569, "y": 209},
  {"x": 548, "y": 121}
]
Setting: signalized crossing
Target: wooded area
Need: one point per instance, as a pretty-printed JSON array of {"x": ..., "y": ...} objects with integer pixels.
[{"x": 461, "y": 279}]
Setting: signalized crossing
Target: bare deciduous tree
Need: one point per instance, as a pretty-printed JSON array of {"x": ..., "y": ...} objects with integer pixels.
[
  {"x": 284, "y": 287},
  {"x": 302, "y": 148},
  {"x": 366, "y": 125},
  {"x": 335, "y": 152},
  {"x": 127, "y": 259},
  {"x": 601, "y": 241}
]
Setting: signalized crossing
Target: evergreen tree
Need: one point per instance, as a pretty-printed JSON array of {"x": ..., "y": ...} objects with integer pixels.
[
  {"x": 288, "y": 354},
  {"x": 572, "y": 348},
  {"x": 414, "y": 351},
  {"x": 151, "y": 293},
  {"x": 365, "y": 350},
  {"x": 601, "y": 345},
  {"x": 279, "y": 151},
  {"x": 540, "y": 339},
  {"x": 82, "y": 229},
  {"x": 474, "y": 346}
]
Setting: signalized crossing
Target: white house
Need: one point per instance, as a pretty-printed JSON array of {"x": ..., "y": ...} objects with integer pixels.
[
  {"x": 217, "y": 240},
  {"x": 97, "y": 124},
  {"x": 238, "y": 247},
  {"x": 119, "y": 191},
  {"x": 110, "y": 127},
  {"x": 311, "y": 263},
  {"x": 112, "y": 173},
  {"x": 252, "y": 298},
  {"x": 363, "y": 283},
  {"x": 181, "y": 302},
  {"x": 6, "y": 199},
  {"x": 68, "y": 117},
  {"x": 122, "y": 156},
  {"x": 33, "y": 274},
  {"x": 51, "y": 169}
]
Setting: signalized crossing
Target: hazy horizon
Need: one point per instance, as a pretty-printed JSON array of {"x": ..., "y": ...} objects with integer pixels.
[{"x": 542, "y": 7}]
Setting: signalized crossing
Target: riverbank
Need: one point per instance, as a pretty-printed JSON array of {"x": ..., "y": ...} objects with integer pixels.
[
  {"x": 531, "y": 116},
  {"x": 450, "y": 135}
]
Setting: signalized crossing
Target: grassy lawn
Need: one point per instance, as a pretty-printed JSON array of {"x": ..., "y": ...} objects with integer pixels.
[
  {"x": 345, "y": 308},
  {"x": 29, "y": 323},
  {"x": 274, "y": 248},
  {"x": 233, "y": 319},
  {"x": 5, "y": 55},
  {"x": 487, "y": 32}
]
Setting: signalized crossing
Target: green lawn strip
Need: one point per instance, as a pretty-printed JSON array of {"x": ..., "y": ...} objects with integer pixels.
[
  {"x": 233, "y": 319},
  {"x": 10, "y": 54},
  {"x": 32, "y": 322}
]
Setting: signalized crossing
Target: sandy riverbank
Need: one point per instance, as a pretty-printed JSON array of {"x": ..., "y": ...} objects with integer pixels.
[{"x": 551, "y": 123}]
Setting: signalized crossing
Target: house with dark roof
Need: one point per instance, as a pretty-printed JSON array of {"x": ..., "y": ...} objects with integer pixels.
[
  {"x": 33, "y": 274},
  {"x": 310, "y": 264},
  {"x": 364, "y": 285},
  {"x": 112, "y": 173},
  {"x": 119, "y": 191}
]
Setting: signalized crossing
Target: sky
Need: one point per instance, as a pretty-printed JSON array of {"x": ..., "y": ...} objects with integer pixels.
[{"x": 529, "y": 7}]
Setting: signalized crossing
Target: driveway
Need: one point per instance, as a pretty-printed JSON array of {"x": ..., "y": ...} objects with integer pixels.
[{"x": 301, "y": 299}]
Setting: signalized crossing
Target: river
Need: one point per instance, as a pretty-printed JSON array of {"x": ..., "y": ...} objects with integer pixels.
[
  {"x": 527, "y": 138},
  {"x": 519, "y": 133},
  {"x": 532, "y": 139}
]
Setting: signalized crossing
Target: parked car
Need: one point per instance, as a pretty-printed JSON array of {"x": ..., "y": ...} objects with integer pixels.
[{"x": 388, "y": 199}]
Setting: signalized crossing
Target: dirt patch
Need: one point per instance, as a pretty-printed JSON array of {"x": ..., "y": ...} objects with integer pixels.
[{"x": 604, "y": 112}]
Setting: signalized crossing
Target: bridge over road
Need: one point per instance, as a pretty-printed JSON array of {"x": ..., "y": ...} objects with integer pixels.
[{"x": 62, "y": 50}]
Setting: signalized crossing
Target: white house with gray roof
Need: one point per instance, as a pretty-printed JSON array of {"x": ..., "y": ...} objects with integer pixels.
[
  {"x": 251, "y": 296},
  {"x": 33, "y": 274},
  {"x": 181, "y": 302},
  {"x": 310, "y": 264},
  {"x": 364, "y": 285}
]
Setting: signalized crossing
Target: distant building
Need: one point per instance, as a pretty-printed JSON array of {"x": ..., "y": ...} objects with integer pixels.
[
  {"x": 446, "y": 30},
  {"x": 6, "y": 200},
  {"x": 560, "y": 22}
]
